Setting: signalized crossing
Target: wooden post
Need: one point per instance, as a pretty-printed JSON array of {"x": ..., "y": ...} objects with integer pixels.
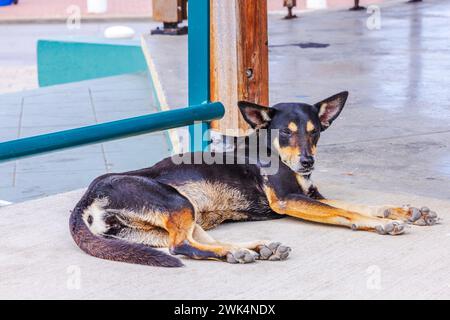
[
  {"x": 169, "y": 11},
  {"x": 239, "y": 58}
]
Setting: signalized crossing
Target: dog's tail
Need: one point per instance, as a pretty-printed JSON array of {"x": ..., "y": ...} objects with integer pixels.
[{"x": 116, "y": 249}]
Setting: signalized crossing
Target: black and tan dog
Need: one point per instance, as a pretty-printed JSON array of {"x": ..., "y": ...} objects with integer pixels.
[{"x": 123, "y": 217}]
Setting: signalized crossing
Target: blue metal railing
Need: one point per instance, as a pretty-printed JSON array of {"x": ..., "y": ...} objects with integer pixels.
[
  {"x": 25, "y": 147},
  {"x": 198, "y": 66},
  {"x": 196, "y": 116}
]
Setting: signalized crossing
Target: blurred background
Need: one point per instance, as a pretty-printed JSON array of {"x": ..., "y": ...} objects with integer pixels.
[
  {"x": 41, "y": 18},
  {"x": 71, "y": 63}
]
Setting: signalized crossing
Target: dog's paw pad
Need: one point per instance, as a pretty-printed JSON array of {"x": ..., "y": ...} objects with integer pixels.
[
  {"x": 241, "y": 256},
  {"x": 411, "y": 215},
  {"x": 423, "y": 216},
  {"x": 392, "y": 228},
  {"x": 274, "y": 251}
]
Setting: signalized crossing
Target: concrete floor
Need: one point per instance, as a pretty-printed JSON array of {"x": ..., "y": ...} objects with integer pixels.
[
  {"x": 39, "y": 260},
  {"x": 391, "y": 145},
  {"x": 393, "y": 135}
]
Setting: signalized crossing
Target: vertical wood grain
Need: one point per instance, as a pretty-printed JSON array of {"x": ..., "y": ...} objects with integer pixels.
[
  {"x": 167, "y": 10},
  {"x": 238, "y": 46},
  {"x": 253, "y": 53},
  {"x": 223, "y": 62}
]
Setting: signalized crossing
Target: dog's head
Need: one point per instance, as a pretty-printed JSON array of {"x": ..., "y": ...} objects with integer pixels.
[{"x": 299, "y": 126}]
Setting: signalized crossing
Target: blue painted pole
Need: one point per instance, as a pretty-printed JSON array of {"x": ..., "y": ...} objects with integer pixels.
[
  {"x": 24, "y": 147},
  {"x": 198, "y": 64}
]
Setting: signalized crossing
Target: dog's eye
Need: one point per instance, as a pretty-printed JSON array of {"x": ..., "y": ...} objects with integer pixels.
[{"x": 286, "y": 131}]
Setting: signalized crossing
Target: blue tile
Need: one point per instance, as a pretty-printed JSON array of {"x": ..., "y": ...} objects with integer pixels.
[
  {"x": 30, "y": 185},
  {"x": 105, "y": 116},
  {"x": 62, "y": 114},
  {"x": 69, "y": 106},
  {"x": 6, "y": 175},
  {"x": 79, "y": 159},
  {"x": 8, "y": 133},
  {"x": 58, "y": 96},
  {"x": 136, "y": 153}
]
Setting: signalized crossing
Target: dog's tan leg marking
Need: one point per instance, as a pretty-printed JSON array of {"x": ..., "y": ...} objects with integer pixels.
[
  {"x": 312, "y": 210},
  {"x": 421, "y": 217},
  {"x": 157, "y": 237},
  {"x": 371, "y": 211},
  {"x": 202, "y": 236},
  {"x": 185, "y": 239}
]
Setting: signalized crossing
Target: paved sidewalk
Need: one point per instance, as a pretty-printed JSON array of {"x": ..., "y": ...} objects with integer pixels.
[{"x": 69, "y": 106}]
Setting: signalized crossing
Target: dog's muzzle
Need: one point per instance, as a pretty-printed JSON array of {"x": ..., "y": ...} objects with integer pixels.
[
  {"x": 305, "y": 172},
  {"x": 306, "y": 165}
]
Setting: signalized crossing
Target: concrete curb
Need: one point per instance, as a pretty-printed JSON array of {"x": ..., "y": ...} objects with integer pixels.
[{"x": 4, "y": 203}]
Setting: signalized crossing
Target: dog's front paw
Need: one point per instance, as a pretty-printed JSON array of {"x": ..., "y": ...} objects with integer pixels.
[
  {"x": 392, "y": 228},
  {"x": 241, "y": 256},
  {"x": 421, "y": 217},
  {"x": 274, "y": 251}
]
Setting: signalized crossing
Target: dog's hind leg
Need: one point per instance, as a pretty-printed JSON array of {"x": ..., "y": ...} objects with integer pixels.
[
  {"x": 412, "y": 215},
  {"x": 155, "y": 237},
  {"x": 181, "y": 226},
  {"x": 267, "y": 250},
  {"x": 187, "y": 238}
]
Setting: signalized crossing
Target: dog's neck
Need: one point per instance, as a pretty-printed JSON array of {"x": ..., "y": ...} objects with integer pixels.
[
  {"x": 308, "y": 187},
  {"x": 304, "y": 181},
  {"x": 243, "y": 143}
]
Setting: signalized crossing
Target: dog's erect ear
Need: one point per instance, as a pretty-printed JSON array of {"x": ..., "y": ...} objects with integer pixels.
[
  {"x": 257, "y": 116},
  {"x": 330, "y": 108}
]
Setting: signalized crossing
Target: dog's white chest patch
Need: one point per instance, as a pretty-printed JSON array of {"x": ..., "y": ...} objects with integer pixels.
[{"x": 304, "y": 183}]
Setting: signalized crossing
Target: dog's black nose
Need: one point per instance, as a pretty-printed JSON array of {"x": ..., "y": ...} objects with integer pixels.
[{"x": 307, "y": 161}]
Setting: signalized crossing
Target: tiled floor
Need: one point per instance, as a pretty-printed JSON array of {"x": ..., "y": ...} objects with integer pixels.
[{"x": 68, "y": 106}]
